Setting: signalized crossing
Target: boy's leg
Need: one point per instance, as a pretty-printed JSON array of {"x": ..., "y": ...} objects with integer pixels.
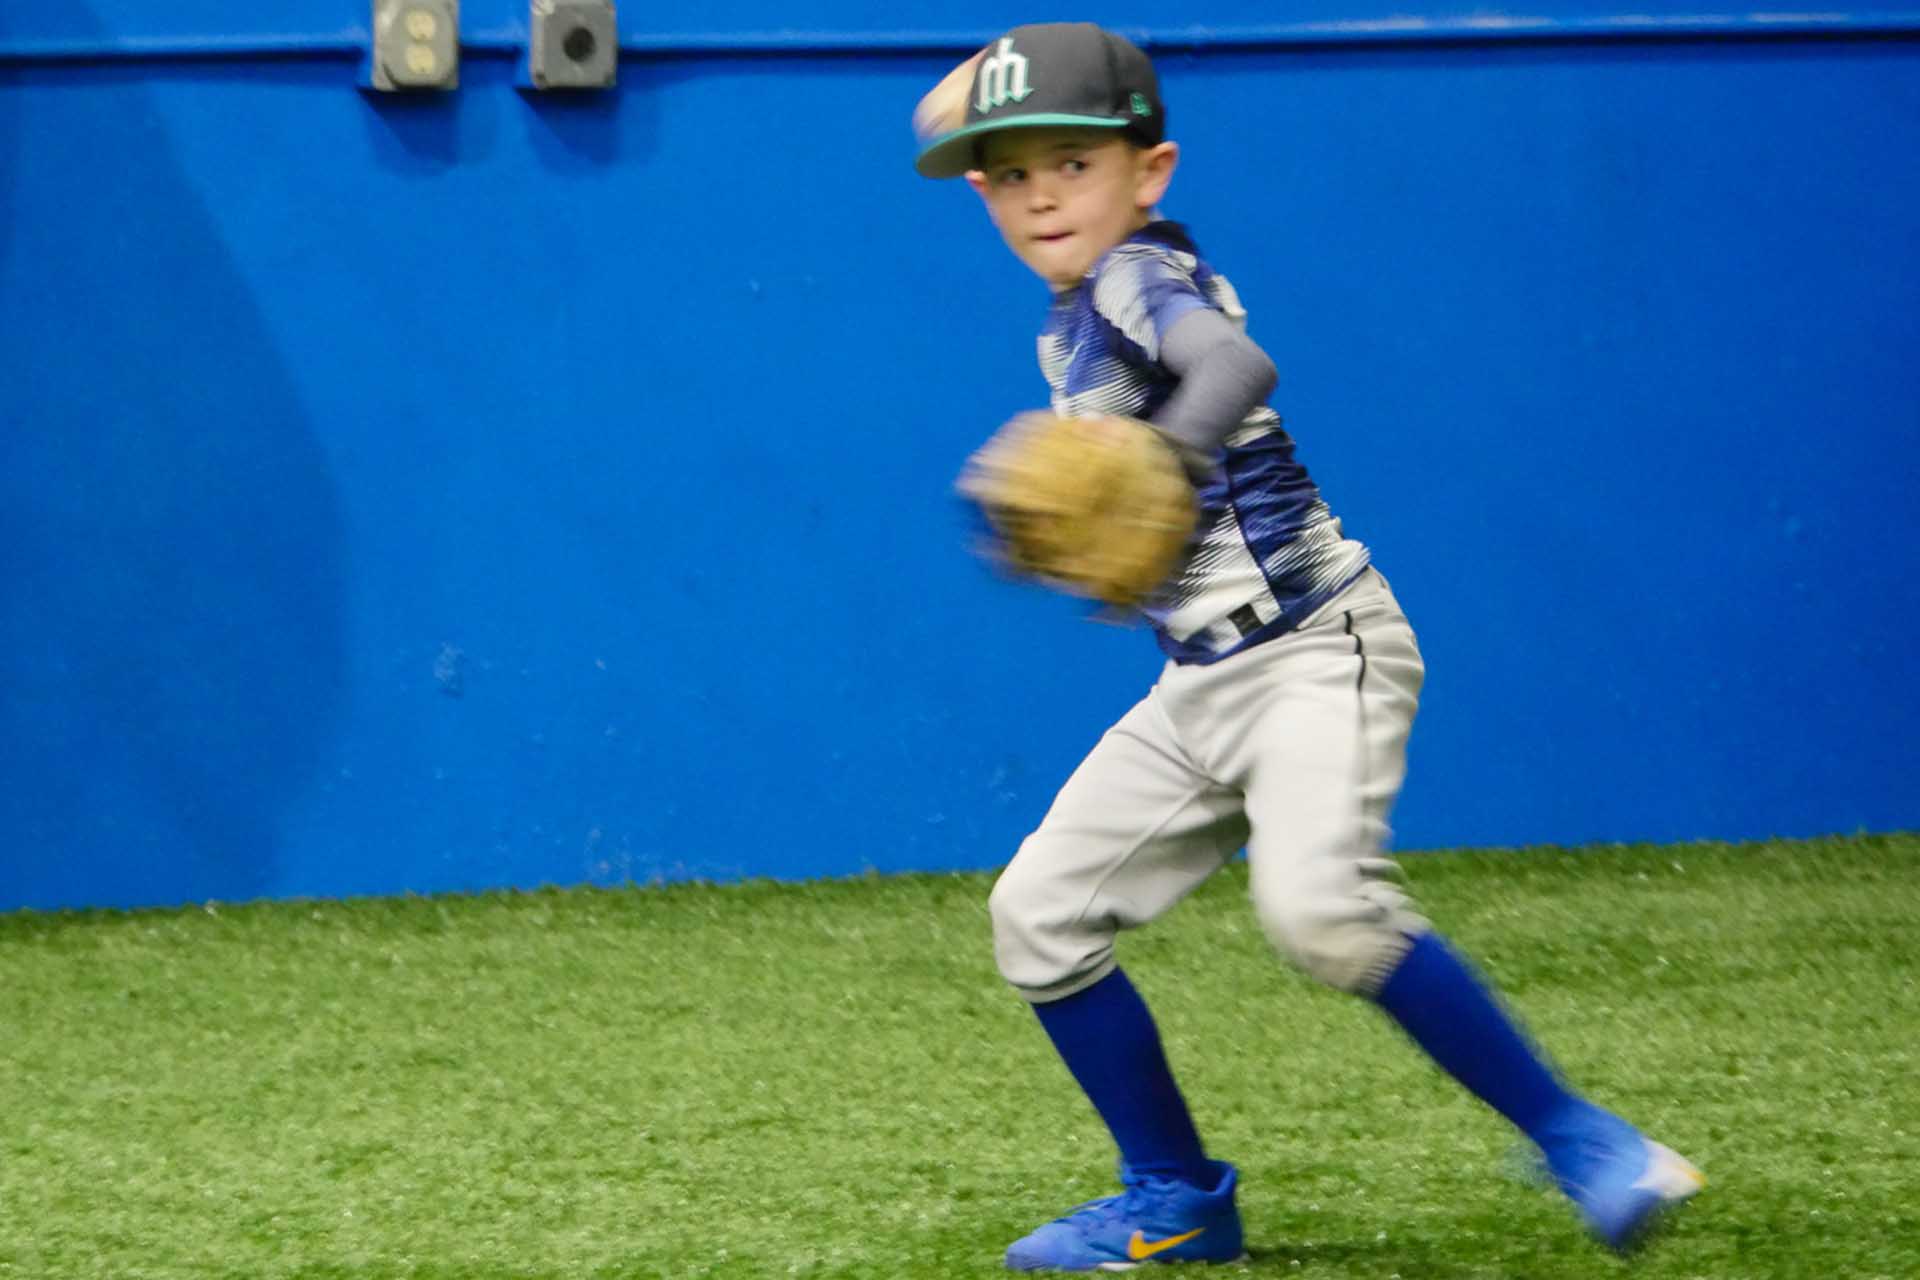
[
  {"x": 1313, "y": 727},
  {"x": 1619, "y": 1179},
  {"x": 1322, "y": 767},
  {"x": 1109, "y": 1042},
  {"x": 1134, "y": 830}
]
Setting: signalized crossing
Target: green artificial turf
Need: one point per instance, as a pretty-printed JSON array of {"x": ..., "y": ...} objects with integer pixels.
[{"x": 830, "y": 1080}]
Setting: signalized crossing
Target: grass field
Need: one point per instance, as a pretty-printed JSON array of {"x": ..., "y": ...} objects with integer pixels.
[{"x": 830, "y": 1080}]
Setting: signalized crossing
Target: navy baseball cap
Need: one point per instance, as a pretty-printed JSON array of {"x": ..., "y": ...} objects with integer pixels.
[{"x": 1053, "y": 74}]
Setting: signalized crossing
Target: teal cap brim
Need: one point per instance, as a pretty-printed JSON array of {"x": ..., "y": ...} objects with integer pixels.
[{"x": 952, "y": 155}]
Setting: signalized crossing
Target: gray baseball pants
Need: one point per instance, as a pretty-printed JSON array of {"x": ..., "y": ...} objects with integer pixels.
[{"x": 1294, "y": 750}]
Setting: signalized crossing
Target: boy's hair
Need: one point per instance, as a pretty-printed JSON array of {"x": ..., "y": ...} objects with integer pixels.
[{"x": 1049, "y": 74}]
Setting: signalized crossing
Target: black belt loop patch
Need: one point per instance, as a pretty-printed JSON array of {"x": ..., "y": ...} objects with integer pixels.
[
  {"x": 1360, "y": 652},
  {"x": 1245, "y": 620}
]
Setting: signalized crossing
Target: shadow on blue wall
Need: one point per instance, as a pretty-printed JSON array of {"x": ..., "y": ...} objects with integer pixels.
[
  {"x": 418, "y": 133},
  {"x": 574, "y": 132},
  {"x": 171, "y": 660}
]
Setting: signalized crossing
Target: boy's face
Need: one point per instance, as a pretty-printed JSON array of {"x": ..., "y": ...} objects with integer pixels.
[{"x": 1063, "y": 197}]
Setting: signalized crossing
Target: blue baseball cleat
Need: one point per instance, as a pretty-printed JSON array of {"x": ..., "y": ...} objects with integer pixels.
[
  {"x": 1620, "y": 1180},
  {"x": 1153, "y": 1220}
]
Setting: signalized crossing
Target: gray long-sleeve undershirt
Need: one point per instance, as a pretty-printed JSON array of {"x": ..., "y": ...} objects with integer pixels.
[{"x": 1223, "y": 374}]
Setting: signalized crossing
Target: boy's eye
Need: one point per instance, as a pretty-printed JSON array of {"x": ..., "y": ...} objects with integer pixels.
[
  {"x": 1075, "y": 165},
  {"x": 1008, "y": 177}
]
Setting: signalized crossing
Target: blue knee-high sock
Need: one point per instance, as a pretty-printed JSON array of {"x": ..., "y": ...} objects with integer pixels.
[
  {"x": 1112, "y": 1047},
  {"x": 1437, "y": 999}
]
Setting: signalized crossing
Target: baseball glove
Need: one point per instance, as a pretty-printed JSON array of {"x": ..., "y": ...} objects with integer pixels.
[{"x": 1098, "y": 507}]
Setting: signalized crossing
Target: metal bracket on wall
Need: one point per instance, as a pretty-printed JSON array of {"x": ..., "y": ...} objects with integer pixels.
[
  {"x": 416, "y": 45},
  {"x": 572, "y": 44}
]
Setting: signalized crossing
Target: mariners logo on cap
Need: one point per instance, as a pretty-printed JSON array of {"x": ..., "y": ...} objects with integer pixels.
[
  {"x": 1002, "y": 78},
  {"x": 1044, "y": 75}
]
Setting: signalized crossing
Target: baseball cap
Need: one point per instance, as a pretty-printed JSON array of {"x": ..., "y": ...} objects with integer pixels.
[{"x": 1053, "y": 74}]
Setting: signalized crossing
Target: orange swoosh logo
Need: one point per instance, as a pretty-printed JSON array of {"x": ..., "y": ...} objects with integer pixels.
[{"x": 1139, "y": 1249}]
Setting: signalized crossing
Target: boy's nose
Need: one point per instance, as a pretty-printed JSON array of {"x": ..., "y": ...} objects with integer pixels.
[{"x": 1040, "y": 196}]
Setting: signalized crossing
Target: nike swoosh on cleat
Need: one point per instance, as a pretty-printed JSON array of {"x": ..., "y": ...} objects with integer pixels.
[{"x": 1139, "y": 1248}]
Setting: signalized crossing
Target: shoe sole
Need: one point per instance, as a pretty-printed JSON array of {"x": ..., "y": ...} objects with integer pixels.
[{"x": 1171, "y": 1262}]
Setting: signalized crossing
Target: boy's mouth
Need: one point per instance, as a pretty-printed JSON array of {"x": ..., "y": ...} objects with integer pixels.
[{"x": 1052, "y": 237}]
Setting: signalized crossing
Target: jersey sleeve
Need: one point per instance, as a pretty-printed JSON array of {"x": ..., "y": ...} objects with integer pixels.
[{"x": 1142, "y": 292}]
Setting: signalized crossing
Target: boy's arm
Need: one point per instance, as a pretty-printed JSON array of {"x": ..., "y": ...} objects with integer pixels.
[{"x": 1223, "y": 374}]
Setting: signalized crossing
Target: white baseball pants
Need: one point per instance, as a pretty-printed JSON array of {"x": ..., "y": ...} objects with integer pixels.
[{"x": 1294, "y": 749}]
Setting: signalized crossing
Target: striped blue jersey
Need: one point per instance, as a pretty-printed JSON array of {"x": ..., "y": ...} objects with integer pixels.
[{"x": 1268, "y": 553}]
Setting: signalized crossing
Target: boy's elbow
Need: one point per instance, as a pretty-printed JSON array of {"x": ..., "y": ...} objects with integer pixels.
[
  {"x": 1261, "y": 374},
  {"x": 1268, "y": 373}
]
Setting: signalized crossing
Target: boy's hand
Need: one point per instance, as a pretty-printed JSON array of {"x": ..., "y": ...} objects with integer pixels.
[
  {"x": 1096, "y": 507},
  {"x": 944, "y": 109}
]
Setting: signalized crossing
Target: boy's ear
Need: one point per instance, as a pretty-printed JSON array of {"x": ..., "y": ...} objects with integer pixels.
[
  {"x": 977, "y": 179},
  {"x": 1154, "y": 172}
]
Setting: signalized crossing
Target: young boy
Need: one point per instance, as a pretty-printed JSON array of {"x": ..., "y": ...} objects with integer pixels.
[{"x": 1280, "y": 721}]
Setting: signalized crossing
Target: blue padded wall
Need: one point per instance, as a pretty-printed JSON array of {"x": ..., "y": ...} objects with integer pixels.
[{"x": 501, "y": 490}]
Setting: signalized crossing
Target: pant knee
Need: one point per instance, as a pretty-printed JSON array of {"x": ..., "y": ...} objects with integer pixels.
[
  {"x": 1350, "y": 941},
  {"x": 1043, "y": 944}
]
